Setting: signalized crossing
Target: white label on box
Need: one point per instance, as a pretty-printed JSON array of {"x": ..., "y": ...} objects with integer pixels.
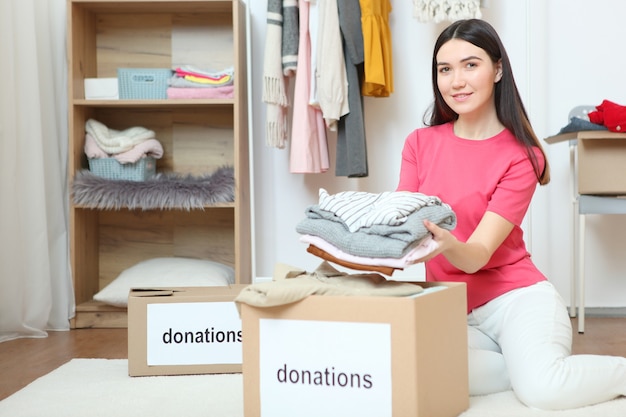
[
  {"x": 193, "y": 334},
  {"x": 324, "y": 368}
]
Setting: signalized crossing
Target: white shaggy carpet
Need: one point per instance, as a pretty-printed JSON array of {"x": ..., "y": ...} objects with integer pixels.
[{"x": 102, "y": 387}]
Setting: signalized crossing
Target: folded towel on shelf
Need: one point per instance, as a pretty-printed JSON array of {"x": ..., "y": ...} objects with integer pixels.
[
  {"x": 116, "y": 141},
  {"x": 189, "y": 76},
  {"x": 183, "y": 82},
  {"x": 209, "y": 81},
  {"x": 151, "y": 147},
  {"x": 92, "y": 150},
  {"x": 197, "y": 72},
  {"x": 215, "y": 92}
]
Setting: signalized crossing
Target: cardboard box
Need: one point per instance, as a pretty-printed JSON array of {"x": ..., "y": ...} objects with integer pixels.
[
  {"x": 186, "y": 330},
  {"x": 601, "y": 161},
  {"x": 360, "y": 356}
]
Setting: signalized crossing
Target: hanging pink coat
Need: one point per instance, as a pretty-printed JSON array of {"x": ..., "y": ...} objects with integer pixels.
[{"x": 309, "y": 145}]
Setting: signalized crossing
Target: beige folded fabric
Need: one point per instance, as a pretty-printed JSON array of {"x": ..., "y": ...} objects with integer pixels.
[{"x": 291, "y": 284}]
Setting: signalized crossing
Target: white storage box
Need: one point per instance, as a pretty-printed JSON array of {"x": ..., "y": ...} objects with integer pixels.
[{"x": 101, "y": 89}]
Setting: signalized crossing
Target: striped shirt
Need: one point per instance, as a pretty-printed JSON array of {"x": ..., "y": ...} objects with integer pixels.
[{"x": 359, "y": 209}]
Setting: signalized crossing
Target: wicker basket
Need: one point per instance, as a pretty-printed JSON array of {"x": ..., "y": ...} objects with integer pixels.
[
  {"x": 143, "y": 83},
  {"x": 111, "y": 169}
]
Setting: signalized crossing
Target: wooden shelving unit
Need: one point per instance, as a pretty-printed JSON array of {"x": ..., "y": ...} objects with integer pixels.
[{"x": 198, "y": 136}]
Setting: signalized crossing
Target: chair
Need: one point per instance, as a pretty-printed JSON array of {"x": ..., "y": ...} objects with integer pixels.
[{"x": 582, "y": 206}]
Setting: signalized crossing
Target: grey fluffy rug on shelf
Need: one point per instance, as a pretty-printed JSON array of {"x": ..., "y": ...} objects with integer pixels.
[{"x": 164, "y": 191}]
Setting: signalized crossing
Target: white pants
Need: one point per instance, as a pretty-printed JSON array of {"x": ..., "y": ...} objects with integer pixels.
[{"x": 522, "y": 340}]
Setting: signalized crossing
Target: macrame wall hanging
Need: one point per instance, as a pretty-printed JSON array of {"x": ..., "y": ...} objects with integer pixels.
[{"x": 440, "y": 10}]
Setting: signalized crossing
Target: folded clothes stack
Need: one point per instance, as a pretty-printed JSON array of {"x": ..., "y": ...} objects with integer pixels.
[
  {"x": 126, "y": 146},
  {"x": 191, "y": 82},
  {"x": 376, "y": 232}
]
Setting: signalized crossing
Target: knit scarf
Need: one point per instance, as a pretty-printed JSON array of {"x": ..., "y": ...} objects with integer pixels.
[
  {"x": 440, "y": 10},
  {"x": 274, "y": 85},
  {"x": 274, "y": 90},
  {"x": 291, "y": 37}
]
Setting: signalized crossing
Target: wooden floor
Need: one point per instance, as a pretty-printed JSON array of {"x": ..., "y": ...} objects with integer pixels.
[{"x": 24, "y": 360}]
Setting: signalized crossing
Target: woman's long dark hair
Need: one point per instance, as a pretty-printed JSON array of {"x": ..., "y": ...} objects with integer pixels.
[{"x": 509, "y": 106}]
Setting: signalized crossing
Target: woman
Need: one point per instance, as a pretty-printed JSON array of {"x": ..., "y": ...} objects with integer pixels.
[{"x": 480, "y": 155}]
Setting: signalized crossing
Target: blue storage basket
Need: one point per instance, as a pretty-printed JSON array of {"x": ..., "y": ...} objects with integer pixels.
[
  {"x": 143, "y": 83},
  {"x": 111, "y": 169}
]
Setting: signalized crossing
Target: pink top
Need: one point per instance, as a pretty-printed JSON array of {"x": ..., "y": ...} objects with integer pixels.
[{"x": 475, "y": 176}]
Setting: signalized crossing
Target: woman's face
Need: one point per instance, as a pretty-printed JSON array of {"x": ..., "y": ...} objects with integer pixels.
[{"x": 466, "y": 77}]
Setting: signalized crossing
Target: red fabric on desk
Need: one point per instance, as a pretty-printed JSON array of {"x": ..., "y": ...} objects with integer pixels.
[{"x": 611, "y": 115}]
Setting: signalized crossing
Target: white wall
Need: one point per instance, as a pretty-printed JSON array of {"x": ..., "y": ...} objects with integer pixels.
[
  {"x": 584, "y": 66},
  {"x": 559, "y": 62}
]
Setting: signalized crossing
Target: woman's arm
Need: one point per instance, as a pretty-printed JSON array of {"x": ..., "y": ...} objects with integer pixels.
[{"x": 472, "y": 255}]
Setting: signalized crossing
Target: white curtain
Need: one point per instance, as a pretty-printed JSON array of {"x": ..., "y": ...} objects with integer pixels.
[{"x": 35, "y": 283}]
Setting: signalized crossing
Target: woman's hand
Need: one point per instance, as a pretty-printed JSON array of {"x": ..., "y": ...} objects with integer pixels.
[
  {"x": 474, "y": 254},
  {"x": 442, "y": 237}
]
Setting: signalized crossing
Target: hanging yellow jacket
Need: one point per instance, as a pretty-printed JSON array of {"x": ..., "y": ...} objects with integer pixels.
[{"x": 378, "y": 68}]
